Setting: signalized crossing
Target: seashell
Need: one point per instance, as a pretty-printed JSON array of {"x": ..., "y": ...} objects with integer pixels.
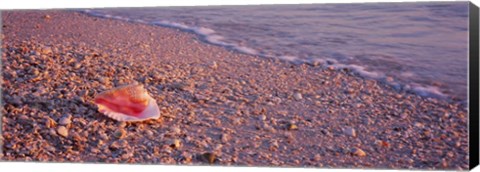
[{"x": 127, "y": 103}]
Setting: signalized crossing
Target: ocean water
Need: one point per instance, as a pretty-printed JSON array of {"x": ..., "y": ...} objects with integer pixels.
[{"x": 417, "y": 47}]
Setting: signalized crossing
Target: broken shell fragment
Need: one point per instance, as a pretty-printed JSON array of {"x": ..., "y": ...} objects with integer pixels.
[{"x": 127, "y": 103}]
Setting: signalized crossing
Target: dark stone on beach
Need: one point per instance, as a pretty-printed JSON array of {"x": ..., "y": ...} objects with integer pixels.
[
  {"x": 208, "y": 157},
  {"x": 16, "y": 101},
  {"x": 326, "y": 133},
  {"x": 292, "y": 126},
  {"x": 120, "y": 133},
  {"x": 175, "y": 143}
]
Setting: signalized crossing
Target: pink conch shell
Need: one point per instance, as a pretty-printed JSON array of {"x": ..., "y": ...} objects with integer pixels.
[{"x": 127, "y": 103}]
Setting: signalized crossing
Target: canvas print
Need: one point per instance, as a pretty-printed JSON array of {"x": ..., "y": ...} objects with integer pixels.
[{"x": 360, "y": 85}]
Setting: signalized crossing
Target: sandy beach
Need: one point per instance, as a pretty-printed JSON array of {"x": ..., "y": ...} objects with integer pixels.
[{"x": 218, "y": 107}]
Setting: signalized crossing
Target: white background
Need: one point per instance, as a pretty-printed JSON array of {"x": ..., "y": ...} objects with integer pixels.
[{"x": 67, "y": 167}]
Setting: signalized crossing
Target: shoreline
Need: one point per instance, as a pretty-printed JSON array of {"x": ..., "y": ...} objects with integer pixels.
[
  {"x": 243, "y": 109},
  {"x": 208, "y": 36}
]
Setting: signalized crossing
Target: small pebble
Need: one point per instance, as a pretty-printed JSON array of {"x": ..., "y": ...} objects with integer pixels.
[
  {"x": 65, "y": 120},
  {"x": 209, "y": 157},
  {"x": 389, "y": 79},
  {"x": 349, "y": 131},
  {"x": 382, "y": 143},
  {"x": 121, "y": 133},
  {"x": 187, "y": 157},
  {"x": 350, "y": 91},
  {"x": 358, "y": 152},
  {"x": 326, "y": 132},
  {"x": 292, "y": 126},
  {"x": 102, "y": 80},
  {"x": 218, "y": 147},
  {"x": 115, "y": 145},
  {"x": 297, "y": 96},
  {"x": 224, "y": 138},
  {"x": 127, "y": 155},
  {"x": 24, "y": 119},
  {"x": 77, "y": 66},
  {"x": 277, "y": 100},
  {"x": 46, "y": 50},
  {"x": 62, "y": 131},
  {"x": 16, "y": 101},
  {"x": 35, "y": 72},
  {"x": 175, "y": 143},
  {"x": 274, "y": 144},
  {"x": 52, "y": 132},
  {"x": 214, "y": 65},
  {"x": 263, "y": 117},
  {"x": 444, "y": 163},
  {"x": 50, "y": 123},
  {"x": 419, "y": 125},
  {"x": 176, "y": 130},
  {"x": 149, "y": 133}
]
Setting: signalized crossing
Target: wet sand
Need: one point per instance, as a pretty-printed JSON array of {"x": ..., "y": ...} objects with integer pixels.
[{"x": 218, "y": 107}]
